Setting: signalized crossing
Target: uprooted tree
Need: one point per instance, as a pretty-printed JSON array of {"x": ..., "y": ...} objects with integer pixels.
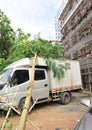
[
  {"x": 48, "y": 51},
  {"x": 16, "y": 45}
]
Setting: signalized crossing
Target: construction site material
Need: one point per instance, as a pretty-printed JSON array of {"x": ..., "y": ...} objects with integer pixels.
[{"x": 76, "y": 33}]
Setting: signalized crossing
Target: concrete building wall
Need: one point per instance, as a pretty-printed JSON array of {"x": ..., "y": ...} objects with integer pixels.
[{"x": 76, "y": 30}]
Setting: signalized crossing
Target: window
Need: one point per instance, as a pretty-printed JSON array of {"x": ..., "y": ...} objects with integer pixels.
[
  {"x": 20, "y": 76},
  {"x": 39, "y": 75},
  {"x": 5, "y": 75}
]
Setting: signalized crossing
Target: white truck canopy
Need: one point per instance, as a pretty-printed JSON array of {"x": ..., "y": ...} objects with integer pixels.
[{"x": 26, "y": 62}]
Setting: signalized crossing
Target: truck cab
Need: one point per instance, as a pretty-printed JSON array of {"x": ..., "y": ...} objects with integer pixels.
[{"x": 15, "y": 82}]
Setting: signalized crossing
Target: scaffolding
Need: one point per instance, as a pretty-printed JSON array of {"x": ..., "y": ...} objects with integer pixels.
[
  {"x": 77, "y": 35},
  {"x": 86, "y": 72},
  {"x": 58, "y": 22}
]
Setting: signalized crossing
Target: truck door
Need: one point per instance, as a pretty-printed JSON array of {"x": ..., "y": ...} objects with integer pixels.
[
  {"x": 19, "y": 83},
  {"x": 41, "y": 84}
]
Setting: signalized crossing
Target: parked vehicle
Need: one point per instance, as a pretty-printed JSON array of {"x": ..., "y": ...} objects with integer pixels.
[
  {"x": 16, "y": 79},
  {"x": 86, "y": 122}
]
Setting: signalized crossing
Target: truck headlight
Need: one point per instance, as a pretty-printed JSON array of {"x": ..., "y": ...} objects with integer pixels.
[{"x": 3, "y": 98}]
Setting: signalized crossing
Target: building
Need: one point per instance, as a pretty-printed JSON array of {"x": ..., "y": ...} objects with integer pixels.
[{"x": 75, "y": 26}]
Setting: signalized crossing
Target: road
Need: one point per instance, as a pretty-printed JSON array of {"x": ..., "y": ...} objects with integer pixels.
[{"x": 52, "y": 115}]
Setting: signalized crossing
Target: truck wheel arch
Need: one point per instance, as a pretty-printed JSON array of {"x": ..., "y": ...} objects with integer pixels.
[
  {"x": 22, "y": 102},
  {"x": 65, "y": 97}
]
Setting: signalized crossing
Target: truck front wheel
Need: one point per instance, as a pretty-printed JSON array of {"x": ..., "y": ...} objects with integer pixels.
[
  {"x": 21, "y": 104},
  {"x": 65, "y": 98}
]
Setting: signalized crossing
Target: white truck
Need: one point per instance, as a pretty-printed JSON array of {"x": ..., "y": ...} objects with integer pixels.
[{"x": 15, "y": 79}]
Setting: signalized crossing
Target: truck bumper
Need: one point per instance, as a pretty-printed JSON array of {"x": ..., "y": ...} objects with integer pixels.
[{"x": 3, "y": 106}]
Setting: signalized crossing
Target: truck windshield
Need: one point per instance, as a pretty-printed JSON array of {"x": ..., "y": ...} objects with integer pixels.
[{"x": 4, "y": 76}]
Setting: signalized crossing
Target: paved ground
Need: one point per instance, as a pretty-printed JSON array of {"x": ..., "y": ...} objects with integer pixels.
[{"x": 52, "y": 115}]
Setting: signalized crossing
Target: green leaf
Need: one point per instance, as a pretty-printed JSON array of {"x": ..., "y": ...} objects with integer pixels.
[{"x": 9, "y": 125}]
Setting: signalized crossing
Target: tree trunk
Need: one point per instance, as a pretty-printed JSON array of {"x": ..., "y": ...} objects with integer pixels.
[{"x": 23, "y": 118}]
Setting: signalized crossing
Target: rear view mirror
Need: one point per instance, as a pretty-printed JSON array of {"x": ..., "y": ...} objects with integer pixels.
[
  {"x": 86, "y": 102},
  {"x": 9, "y": 79}
]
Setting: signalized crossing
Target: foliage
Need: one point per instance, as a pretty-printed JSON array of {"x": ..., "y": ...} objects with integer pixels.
[
  {"x": 24, "y": 47},
  {"x": 14, "y": 46},
  {"x": 9, "y": 125},
  {"x": 46, "y": 49},
  {"x": 58, "y": 69},
  {"x": 21, "y": 46},
  {"x": 7, "y": 36},
  {"x": 18, "y": 49}
]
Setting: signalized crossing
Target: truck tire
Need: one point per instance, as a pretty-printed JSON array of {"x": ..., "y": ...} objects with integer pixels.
[
  {"x": 21, "y": 104},
  {"x": 65, "y": 98}
]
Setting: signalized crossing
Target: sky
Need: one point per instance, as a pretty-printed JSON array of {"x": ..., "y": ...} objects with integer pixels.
[{"x": 33, "y": 16}]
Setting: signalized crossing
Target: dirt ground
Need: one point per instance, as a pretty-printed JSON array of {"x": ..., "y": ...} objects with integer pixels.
[{"x": 52, "y": 115}]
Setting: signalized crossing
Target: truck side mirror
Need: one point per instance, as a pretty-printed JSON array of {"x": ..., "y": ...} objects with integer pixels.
[
  {"x": 86, "y": 102},
  {"x": 9, "y": 79}
]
